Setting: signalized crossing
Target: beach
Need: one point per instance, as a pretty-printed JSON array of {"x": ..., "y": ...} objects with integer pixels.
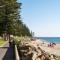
[
  {"x": 33, "y": 48},
  {"x": 51, "y": 50}
]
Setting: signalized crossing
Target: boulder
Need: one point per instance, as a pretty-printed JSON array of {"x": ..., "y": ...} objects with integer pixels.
[{"x": 29, "y": 51}]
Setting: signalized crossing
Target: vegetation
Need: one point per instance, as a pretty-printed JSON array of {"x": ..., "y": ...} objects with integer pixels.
[
  {"x": 10, "y": 19},
  {"x": 2, "y": 42},
  {"x": 21, "y": 40}
]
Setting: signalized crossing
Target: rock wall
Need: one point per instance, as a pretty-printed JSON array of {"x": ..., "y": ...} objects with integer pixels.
[{"x": 30, "y": 50}]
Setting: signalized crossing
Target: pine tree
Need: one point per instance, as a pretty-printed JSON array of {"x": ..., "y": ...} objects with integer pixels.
[
  {"x": 8, "y": 15},
  {"x": 10, "y": 19}
]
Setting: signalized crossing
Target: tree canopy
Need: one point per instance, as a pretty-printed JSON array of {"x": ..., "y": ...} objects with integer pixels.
[{"x": 10, "y": 19}]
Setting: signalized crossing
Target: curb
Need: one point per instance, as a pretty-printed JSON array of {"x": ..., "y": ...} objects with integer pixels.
[{"x": 16, "y": 53}]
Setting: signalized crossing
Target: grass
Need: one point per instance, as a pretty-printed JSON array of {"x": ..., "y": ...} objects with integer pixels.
[{"x": 2, "y": 42}]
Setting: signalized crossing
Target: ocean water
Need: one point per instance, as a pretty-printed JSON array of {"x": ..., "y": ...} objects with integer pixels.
[{"x": 50, "y": 39}]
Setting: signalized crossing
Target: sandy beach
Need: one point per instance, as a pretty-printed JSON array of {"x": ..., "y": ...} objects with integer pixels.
[
  {"x": 52, "y": 50},
  {"x": 44, "y": 46}
]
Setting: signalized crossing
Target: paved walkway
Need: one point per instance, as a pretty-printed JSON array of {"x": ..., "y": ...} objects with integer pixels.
[{"x": 6, "y": 52}]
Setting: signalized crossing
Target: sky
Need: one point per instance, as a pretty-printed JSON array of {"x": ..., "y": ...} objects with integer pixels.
[{"x": 42, "y": 17}]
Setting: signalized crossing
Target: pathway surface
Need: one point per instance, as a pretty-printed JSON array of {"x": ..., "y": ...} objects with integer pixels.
[{"x": 6, "y": 52}]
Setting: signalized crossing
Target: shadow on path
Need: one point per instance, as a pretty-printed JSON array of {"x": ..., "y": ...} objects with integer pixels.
[{"x": 9, "y": 55}]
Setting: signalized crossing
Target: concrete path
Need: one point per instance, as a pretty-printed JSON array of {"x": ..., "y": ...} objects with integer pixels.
[{"x": 6, "y": 52}]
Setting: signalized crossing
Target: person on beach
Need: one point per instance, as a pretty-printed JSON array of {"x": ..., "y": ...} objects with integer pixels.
[{"x": 51, "y": 44}]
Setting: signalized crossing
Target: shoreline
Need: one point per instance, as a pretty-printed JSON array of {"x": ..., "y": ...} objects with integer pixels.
[
  {"x": 51, "y": 50},
  {"x": 43, "y": 40},
  {"x": 50, "y": 39}
]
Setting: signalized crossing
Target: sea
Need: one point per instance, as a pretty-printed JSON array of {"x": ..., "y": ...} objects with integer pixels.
[{"x": 50, "y": 39}]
